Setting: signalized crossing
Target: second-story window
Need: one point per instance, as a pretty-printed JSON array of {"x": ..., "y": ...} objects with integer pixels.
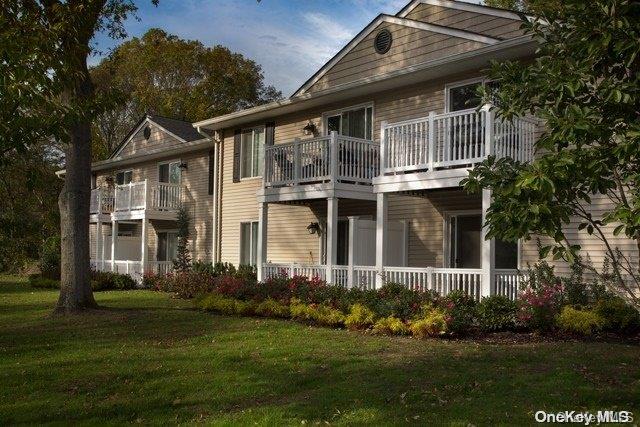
[
  {"x": 356, "y": 122},
  {"x": 251, "y": 152},
  {"x": 124, "y": 177},
  {"x": 462, "y": 96},
  {"x": 169, "y": 172}
]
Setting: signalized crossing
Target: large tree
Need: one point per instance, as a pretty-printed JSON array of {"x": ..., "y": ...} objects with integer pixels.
[
  {"x": 164, "y": 74},
  {"x": 47, "y": 92},
  {"x": 585, "y": 85}
]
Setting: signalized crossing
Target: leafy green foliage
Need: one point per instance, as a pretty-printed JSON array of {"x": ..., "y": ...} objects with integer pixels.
[
  {"x": 360, "y": 317},
  {"x": 497, "y": 313},
  {"x": 617, "y": 315},
  {"x": 584, "y": 322},
  {"x": 105, "y": 280},
  {"x": 166, "y": 75},
  {"x": 432, "y": 323},
  {"x": 391, "y": 326},
  {"x": 37, "y": 281},
  {"x": 272, "y": 308},
  {"x": 584, "y": 84},
  {"x": 49, "y": 262},
  {"x": 318, "y": 314},
  {"x": 461, "y": 312}
]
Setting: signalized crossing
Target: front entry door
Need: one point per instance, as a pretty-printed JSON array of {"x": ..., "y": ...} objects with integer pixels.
[{"x": 465, "y": 241}]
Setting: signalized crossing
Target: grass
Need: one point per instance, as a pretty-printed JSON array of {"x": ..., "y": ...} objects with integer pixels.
[{"x": 151, "y": 359}]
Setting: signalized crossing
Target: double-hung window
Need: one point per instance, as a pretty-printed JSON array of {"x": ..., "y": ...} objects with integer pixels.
[
  {"x": 463, "y": 96},
  {"x": 169, "y": 172},
  {"x": 356, "y": 122},
  {"x": 248, "y": 243},
  {"x": 124, "y": 177},
  {"x": 252, "y": 152}
]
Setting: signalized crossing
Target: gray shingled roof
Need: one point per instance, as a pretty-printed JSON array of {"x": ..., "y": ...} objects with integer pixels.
[{"x": 179, "y": 128}]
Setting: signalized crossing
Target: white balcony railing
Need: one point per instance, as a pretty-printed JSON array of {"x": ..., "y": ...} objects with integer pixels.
[
  {"x": 457, "y": 139},
  {"x": 323, "y": 159},
  {"x": 141, "y": 195},
  {"x": 101, "y": 201}
]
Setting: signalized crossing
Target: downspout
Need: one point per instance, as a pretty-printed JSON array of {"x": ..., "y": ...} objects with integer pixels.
[{"x": 214, "y": 245}]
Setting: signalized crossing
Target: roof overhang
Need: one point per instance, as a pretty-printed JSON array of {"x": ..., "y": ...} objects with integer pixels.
[{"x": 514, "y": 48}]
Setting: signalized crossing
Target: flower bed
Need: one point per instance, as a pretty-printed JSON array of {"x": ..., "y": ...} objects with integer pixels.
[{"x": 544, "y": 305}]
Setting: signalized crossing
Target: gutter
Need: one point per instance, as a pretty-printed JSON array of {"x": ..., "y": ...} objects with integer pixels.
[{"x": 216, "y": 196}]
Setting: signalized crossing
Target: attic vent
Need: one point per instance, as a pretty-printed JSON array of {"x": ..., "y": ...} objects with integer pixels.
[
  {"x": 382, "y": 42},
  {"x": 147, "y": 133}
]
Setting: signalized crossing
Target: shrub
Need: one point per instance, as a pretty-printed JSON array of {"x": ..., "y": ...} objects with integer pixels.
[
  {"x": 584, "y": 322},
  {"x": 106, "y": 280},
  {"x": 221, "y": 304},
  {"x": 497, "y": 313},
  {"x": 394, "y": 299},
  {"x": 157, "y": 282},
  {"x": 202, "y": 267},
  {"x": 391, "y": 326},
  {"x": 189, "y": 284},
  {"x": 49, "y": 262},
  {"x": 272, "y": 308},
  {"x": 460, "y": 311},
  {"x": 36, "y": 281},
  {"x": 538, "y": 307},
  {"x": 617, "y": 315},
  {"x": 360, "y": 317},
  {"x": 232, "y": 286},
  {"x": 433, "y": 323},
  {"x": 318, "y": 314}
]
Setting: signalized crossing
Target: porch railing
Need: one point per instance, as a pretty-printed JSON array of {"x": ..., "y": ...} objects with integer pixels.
[
  {"x": 457, "y": 139},
  {"x": 440, "y": 280},
  {"x": 322, "y": 159},
  {"x": 142, "y": 195},
  {"x": 101, "y": 201}
]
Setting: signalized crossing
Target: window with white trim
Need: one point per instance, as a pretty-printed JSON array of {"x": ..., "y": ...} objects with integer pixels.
[
  {"x": 251, "y": 152},
  {"x": 248, "y": 243},
  {"x": 167, "y": 245},
  {"x": 356, "y": 122},
  {"x": 169, "y": 172},
  {"x": 124, "y": 177}
]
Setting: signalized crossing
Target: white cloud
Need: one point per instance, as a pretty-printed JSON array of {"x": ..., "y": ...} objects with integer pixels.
[{"x": 327, "y": 27}]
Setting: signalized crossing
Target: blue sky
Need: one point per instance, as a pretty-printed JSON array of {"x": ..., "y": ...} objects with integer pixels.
[{"x": 289, "y": 39}]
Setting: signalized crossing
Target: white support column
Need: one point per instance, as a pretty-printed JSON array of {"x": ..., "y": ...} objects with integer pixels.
[
  {"x": 333, "y": 150},
  {"x": 353, "y": 223},
  {"x": 381, "y": 236},
  {"x": 143, "y": 248},
  {"x": 488, "y": 251},
  {"x": 263, "y": 221},
  {"x": 99, "y": 244},
  {"x": 383, "y": 147},
  {"x": 431, "y": 140},
  {"x": 114, "y": 234},
  {"x": 332, "y": 234}
]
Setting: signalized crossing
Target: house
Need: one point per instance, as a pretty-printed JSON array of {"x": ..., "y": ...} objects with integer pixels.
[{"x": 355, "y": 178}]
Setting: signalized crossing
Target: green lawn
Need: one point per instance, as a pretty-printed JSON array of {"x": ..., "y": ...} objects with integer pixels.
[{"x": 152, "y": 359}]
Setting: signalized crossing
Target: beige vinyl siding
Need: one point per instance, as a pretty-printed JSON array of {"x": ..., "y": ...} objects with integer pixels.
[
  {"x": 470, "y": 21},
  {"x": 591, "y": 247},
  {"x": 425, "y": 216},
  {"x": 410, "y": 47},
  {"x": 158, "y": 139}
]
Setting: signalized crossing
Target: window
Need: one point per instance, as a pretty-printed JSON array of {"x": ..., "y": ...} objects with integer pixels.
[
  {"x": 248, "y": 243},
  {"x": 506, "y": 254},
  {"x": 251, "y": 152},
  {"x": 355, "y": 122},
  {"x": 167, "y": 246},
  {"x": 124, "y": 177},
  {"x": 169, "y": 172},
  {"x": 463, "y": 96}
]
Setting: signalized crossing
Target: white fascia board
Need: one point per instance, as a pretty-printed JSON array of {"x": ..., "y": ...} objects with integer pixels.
[{"x": 459, "y": 5}]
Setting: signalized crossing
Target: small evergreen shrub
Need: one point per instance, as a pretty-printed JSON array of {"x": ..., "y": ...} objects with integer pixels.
[
  {"x": 203, "y": 267},
  {"x": 391, "y": 326},
  {"x": 360, "y": 317},
  {"x": 106, "y": 280},
  {"x": 49, "y": 262},
  {"x": 317, "y": 314},
  {"x": 432, "y": 323},
  {"x": 538, "y": 307},
  {"x": 584, "y": 322},
  {"x": 460, "y": 311},
  {"x": 157, "y": 282},
  {"x": 36, "y": 281},
  {"x": 221, "y": 304},
  {"x": 497, "y": 313},
  {"x": 272, "y": 308},
  {"x": 394, "y": 299},
  {"x": 189, "y": 284},
  {"x": 617, "y": 315}
]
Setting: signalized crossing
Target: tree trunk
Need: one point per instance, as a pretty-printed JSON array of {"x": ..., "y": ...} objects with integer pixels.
[{"x": 75, "y": 286}]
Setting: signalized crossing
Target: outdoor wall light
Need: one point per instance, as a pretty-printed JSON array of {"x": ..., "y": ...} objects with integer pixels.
[
  {"x": 109, "y": 180},
  {"x": 183, "y": 166},
  {"x": 310, "y": 128},
  {"x": 313, "y": 228}
]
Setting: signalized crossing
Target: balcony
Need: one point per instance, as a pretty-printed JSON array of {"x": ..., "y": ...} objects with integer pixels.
[
  {"x": 443, "y": 146},
  {"x": 136, "y": 200}
]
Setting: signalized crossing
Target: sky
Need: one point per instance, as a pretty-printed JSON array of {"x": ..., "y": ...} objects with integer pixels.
[{"x": 290, "y": 39}]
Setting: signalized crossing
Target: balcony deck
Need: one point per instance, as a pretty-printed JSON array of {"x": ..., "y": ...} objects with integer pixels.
[
  {"x": 326, "y": 166},
  {"x": 136, "y": 200},
  {"x": 438, "y": 150}
]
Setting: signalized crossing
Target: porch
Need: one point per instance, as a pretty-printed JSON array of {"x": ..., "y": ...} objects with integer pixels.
[
  {"x": 436, "y": 151},
  {"x": 325, "y": 166},
  {"x": 136, "y": 199}
]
